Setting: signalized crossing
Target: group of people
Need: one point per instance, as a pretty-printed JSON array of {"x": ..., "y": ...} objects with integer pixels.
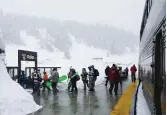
[
  {"x": 34, "y": 81},
  {"x": 88, "y": 78},
  {"x": 113, "y": 76}
]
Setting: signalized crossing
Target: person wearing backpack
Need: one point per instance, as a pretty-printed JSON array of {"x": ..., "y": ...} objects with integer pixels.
[
  {"x": 92, "y": 77},
  {"x": 74, "y": 78},
  {"x": 113, "y": 78},
  {"x": 120, "y": 75},
  {"x": 84, "y": 76},
  {"x": 96, "y": 73}
]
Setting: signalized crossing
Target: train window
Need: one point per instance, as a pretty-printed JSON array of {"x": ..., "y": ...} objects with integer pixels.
[
  {"x": 150, "y": 3},
  {"x": 15, "y": 71},
  {"x": 148, "y": 7},
  {"x": 41, "y": 71},
  {"x": 164, "y": 60},
  {"x": 32, "y": 70},
  {"x": 27, "y": 72},
  {"x": 145, "y": 18},
  {"x": 11, "y": 72}
]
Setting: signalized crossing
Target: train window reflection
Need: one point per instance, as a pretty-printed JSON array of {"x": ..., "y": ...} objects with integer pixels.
[
  {"x": 15, "y": 71},
  {"x": 11, "y": 72}
]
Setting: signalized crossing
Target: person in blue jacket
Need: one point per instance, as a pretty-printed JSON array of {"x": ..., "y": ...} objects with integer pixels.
[{"x": 22, "y": 79}]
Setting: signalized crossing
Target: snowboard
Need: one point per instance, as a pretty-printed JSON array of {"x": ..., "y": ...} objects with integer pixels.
[
  {"x": 62, "y": 78},
  {"x": 48, "y": 83}
]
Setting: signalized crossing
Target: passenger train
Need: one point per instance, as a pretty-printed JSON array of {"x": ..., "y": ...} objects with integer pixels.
[{"x": 152, "y": 57}]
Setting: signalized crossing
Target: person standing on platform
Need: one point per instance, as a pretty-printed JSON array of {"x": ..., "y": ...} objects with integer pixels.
[
  {"x": 113, "y": 78},
  {"x": 45, "y": 78},
  {"x": 54, "y": 78},
  {"x": 84, "y": 76},
  {"x": 106, "y": 72},
  {"x": 133, "y": 70}
]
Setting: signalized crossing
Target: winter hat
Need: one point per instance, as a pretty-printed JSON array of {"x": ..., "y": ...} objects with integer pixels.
[
  {"x": 114, "y": 65},
  {"x": 54, "y": 69}
]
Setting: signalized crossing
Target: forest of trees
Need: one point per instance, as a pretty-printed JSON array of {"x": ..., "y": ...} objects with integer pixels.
[{"x": 56, "y": 33}]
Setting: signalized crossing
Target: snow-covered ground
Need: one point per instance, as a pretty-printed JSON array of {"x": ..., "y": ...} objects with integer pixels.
[
  {"x": 14, "y": 103},
  {"x": 142, "y": 106}
]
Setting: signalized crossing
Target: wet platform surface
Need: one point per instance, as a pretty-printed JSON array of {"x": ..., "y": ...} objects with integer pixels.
[{"x": 99, "y": 102}]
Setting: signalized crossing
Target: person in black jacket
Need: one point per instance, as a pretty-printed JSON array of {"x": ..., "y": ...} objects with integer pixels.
[
  {"x": 106, "y": 72},
  {"x": 36, "y": 78},
  {"x": 74, "y": 79},
  {"x": 69, "y": 78},
  {"x": 23, "y": 79},
  {"x": 84, "y": 76},
  {"x": 29, "y": 82},
  {"x": 93, "y": 73}
]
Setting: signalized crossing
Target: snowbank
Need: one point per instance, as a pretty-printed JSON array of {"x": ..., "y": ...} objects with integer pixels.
[
  {"x": 142, "y": 106},
  {"x": 14, "y": 100}
]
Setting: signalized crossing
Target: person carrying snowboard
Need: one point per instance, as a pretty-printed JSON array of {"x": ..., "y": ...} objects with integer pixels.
[
  {"x": 45, "y": 78},
  {"x": 84, "y": 75},
  {"x": 74, "y": 78}
]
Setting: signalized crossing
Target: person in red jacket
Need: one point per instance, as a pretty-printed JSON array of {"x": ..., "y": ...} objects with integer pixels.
[
  {"x": 113, "y": 77},
  {"x": 133, "y": 70},
  {"x": 45, "y": 78}
]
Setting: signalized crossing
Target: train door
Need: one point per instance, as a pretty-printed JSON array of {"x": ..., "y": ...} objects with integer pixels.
[
  {"x": 159, "y": 73},
  {"x": 163, "y": 70}
]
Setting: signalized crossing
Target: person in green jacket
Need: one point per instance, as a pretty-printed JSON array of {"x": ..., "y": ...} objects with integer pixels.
[{"x": 55, "y": 79}]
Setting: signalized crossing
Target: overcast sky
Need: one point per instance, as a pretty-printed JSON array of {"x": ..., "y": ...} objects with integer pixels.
[{"x": 124, "y": 14}]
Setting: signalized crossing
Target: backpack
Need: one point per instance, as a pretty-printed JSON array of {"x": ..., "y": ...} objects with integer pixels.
[
  {"x": 96, "y": 72},
  {"x": 78, "y": 78},
  {"x": 39, "y": 79},
  {"x": 114, "y": 73}
]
